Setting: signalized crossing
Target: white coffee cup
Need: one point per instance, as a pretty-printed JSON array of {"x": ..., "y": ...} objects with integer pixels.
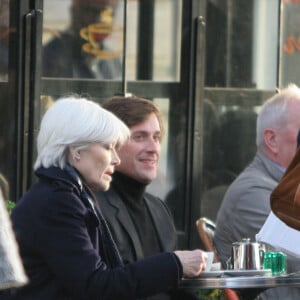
[{"x": 209, "y": 261}]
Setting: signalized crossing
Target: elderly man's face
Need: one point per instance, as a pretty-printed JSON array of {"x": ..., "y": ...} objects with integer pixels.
[
  {"x": 287, "y": 137},
  {"x": 140, "y": 156}
]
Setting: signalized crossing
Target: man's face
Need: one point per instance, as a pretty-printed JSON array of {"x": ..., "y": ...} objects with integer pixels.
[
  {"x": 287, "y": 137},
  {"x": 140, "y": 155}
]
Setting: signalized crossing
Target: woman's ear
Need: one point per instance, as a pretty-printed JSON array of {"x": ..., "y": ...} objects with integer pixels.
[
  {"x": 73, "y": 155},
  {"x": 77, "y": 155}
]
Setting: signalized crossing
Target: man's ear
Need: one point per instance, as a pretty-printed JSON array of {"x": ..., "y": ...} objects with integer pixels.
[{"x": 271, "y": 140}]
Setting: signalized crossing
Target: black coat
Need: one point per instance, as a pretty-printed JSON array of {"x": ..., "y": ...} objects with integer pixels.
[
  {"x": 126, "y": 236},
  {"x": 123, "y": 229},
  {"x": 60, "y": 244}
]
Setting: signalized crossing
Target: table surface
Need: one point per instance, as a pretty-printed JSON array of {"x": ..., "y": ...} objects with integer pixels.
[{"x": 241, "y": 282}]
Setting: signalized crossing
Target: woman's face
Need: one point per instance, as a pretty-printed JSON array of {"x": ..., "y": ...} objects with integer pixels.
[{"x": 96, "y": 165}]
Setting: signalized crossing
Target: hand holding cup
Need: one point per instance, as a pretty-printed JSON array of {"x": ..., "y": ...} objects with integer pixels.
[{"x": 193, "y": 262}]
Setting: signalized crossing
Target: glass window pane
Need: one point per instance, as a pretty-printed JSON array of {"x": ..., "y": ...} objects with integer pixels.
[
  {"x": 4, "y": 39},
  {"x": 290, "y": 46},
  {"x": 229, "y": 141},
  {"x": 153, "y": 40},
  {"x": 170, "y": 183},
  {"x": 167, "y": 38},
  {"x": 131, "y": 39},
  {"x": 161, "y": 185},
  {"x": 83, "y": 39},
  {"x": 241, "y": 43}
]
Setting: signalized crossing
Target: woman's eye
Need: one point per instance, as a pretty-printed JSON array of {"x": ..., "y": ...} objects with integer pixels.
[{"x": 108, "y": 147}]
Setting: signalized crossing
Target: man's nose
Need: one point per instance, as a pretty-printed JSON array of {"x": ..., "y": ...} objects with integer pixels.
[{"x": 153, "y": 144}]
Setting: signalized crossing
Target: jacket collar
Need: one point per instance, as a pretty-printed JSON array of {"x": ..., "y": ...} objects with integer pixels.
[
  {"x": 158, "y": 219},
  {"x": 124, "y": 218},
  {"x": 273, "y": 169},
  {"x": 58, "y": 175},
  {"x": 54, "y": 173}
]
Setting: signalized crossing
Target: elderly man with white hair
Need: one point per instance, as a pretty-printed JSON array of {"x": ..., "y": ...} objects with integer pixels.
[{"x": 246, "y": 204}]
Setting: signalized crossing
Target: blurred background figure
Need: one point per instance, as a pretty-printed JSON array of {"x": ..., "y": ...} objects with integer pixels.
[
  {"x": 4, "y": 38},
  {"x": 84, "y": 49},
  {"x": 5, "y": 193},
  {"x": 12, "y": 273},
  {"x": 4, "y": 187}
]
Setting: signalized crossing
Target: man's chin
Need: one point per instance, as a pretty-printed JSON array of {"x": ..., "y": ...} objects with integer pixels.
[
  {"x": 146, "y": 182},
  {"x": 148, "y": 179}
]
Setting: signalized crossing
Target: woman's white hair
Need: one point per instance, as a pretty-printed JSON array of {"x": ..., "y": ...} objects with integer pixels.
[
  {"x": 74, "y": 122},
  {"x": 274, "y": 112}
]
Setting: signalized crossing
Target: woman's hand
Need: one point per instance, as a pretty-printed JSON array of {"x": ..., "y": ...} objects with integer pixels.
[{"x": 193, "y": 262}]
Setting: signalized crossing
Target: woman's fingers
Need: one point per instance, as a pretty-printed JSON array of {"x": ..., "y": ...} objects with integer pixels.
[{"x": 193, "y": 262}]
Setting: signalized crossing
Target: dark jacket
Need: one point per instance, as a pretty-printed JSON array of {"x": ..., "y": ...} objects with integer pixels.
[
  {"x": 123, "y": 230},
  {"x": 60, "y": 244},
  {"x": 126, "y": 236}
]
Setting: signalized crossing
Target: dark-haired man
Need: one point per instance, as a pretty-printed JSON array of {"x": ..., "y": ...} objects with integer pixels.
[{"x": 144, "y": 225}]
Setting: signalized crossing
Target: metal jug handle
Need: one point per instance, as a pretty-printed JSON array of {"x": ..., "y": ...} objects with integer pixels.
[
  {"x": 261, "y": 257},
  {"x": 229, "y": 263}
]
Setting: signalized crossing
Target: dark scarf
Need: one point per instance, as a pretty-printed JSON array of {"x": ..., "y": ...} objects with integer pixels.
[{"x": 113, "y": 258}]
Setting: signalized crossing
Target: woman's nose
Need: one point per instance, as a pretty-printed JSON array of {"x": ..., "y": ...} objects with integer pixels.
[{"x": 115, "y": 158}]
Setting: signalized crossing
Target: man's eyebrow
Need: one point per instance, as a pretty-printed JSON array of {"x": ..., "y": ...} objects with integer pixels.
[
  {"x": 146, "y": 132},
  {"x": 139, "y": 132}
]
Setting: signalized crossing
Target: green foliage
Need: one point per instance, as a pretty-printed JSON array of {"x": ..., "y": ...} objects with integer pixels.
[
  {"x": 10, "y": 205},
  {"x": 216, "y": 294}
]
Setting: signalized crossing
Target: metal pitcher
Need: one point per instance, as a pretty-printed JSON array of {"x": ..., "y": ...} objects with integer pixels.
[{"x": 246, "y": 256}]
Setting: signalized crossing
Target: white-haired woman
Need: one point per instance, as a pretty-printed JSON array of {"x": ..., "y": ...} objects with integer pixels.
[{"x": 65, "y": 244}]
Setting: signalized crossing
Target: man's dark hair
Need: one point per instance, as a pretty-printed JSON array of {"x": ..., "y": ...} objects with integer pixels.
[{"x": 133, "y": 110}]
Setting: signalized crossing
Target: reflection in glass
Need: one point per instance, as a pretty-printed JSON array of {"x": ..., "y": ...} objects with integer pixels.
[
  {"x": 167, "y": 39},
  {"x": 290, "y": 46},
  {"x": 82, "y": 39},
  {"x": 4, "y": 39},
  {"x": 170, "y": 184},
  {"x": 229, "y": 143},
  {"x": 241, "y": 43},
  {"x": 153, "y": 40},
  {"x": 161, "y": 185}
]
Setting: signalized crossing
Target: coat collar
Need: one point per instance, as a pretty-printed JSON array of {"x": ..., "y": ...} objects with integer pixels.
[
  {"x": 56, "y": 174},
  {"x": 63, "y": 177},
  {"x": 124, "y": 218},
  {"x": 272, "y": 168},
  {"x": 122, "y": 215}
]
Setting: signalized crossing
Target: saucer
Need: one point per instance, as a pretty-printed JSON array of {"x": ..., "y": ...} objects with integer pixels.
[
  {"x": 207, "y": 274},
  {"x": 263, "y": 272}
]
